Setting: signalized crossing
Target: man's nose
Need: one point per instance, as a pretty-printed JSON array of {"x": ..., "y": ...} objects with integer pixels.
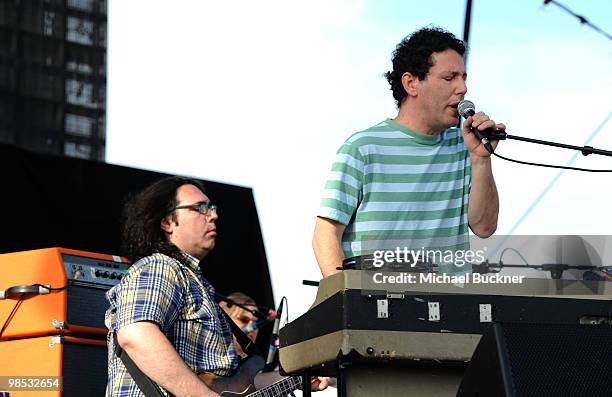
[
  {"x": 212, "y": 215},
  {"x": 462, "y": 88}
]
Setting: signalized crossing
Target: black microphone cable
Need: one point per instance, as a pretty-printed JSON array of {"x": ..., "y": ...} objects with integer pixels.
[
  {"x": 564, "y": 167},
  {"x": 274, "y": 339},
  {"x": 466, "y": 109}
]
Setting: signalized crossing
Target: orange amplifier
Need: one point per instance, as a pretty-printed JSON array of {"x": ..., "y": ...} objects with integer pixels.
[
  {"x": 56, "y": 291},
  {"x": 53, "y": 366}
]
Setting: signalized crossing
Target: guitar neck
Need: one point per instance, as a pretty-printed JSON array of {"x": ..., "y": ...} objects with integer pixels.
[{"x": 280, "y": 388}]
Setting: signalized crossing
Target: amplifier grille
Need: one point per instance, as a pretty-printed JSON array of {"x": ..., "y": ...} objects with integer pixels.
[
  {"x": 86, "y": 306},
  {"x": 84, "y": 370}
]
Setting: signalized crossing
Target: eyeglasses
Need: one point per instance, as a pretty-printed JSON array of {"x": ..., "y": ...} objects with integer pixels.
[{"x": 204, "y": 208}]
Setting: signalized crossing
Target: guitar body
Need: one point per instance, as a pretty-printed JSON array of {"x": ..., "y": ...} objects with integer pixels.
[
  {"x": 239, "y": 384},
  {"x": 242, "y": 383}
]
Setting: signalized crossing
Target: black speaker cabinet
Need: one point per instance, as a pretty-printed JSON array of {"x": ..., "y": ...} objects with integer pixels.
[{"x": 521, "y": 360}]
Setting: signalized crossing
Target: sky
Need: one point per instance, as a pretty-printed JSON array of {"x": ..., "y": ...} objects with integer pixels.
[{"x": 262, "y": 94}]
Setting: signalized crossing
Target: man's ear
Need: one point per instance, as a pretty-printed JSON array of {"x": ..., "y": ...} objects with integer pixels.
[
  {"x": 410, "y": 84},
  {"x": 166, "y": 224}
]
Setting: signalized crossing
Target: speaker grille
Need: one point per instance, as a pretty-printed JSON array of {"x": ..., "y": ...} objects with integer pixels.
[
  {"x": 84, "y": 370},
  {"x": 86, "y": 306},
  {"x": 557, "y": 359}
]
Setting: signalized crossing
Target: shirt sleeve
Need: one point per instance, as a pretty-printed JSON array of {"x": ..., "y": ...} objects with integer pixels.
[
  {"x": 343, "y": 189},
  {"x": 151, "y": 293}
]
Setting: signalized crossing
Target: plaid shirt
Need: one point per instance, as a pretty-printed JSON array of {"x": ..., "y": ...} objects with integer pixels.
[{"x": 176, "y": 296}]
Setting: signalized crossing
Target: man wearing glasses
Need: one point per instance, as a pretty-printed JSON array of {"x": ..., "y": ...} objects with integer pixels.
[{"x": 163, "y": 312}]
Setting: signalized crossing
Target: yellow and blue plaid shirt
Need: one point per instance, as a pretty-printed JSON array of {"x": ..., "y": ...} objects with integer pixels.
[{"x": 180, "y": 300}]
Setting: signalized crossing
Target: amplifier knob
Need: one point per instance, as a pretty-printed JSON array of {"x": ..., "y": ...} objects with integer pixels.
[
  {"x": 112, "y": 276},
  {"x": 105, "y": 274}
]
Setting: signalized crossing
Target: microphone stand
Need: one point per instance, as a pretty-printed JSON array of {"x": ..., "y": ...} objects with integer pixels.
[
  {"x": 230, "y": 302},
  {"x": 585, "y": 150},
  {"x": 555, "y": 269}
]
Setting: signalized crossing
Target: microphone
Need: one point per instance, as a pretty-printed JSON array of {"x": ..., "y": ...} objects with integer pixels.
[
  {"x": 270, "y": 314},
  {"x": 466, "y": 109},
  {"x": 267, "y": 314},
  {"x": 274, "y": 343}
]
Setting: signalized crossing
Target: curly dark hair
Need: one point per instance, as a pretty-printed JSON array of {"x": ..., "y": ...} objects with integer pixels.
[
  {"x": 413, "y": 55},
  {"x": 143, "y": 214}
]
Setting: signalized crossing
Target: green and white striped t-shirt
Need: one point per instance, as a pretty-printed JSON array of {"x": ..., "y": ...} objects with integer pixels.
[{"x": 394, "y": 187}]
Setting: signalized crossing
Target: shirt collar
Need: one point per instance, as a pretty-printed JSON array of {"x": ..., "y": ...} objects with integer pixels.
[
  {"x": 417, "y": 136},
  {"x": 191, "y": 262}
]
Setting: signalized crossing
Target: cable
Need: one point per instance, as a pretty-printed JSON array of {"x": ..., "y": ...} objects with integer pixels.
[
  {"x": 274, "y": 336},
  {"x": 50, "y": 288},
  {"x": 35, "y": 289},
  {"x": 23, "y": 291},
  {"x": 516, "y": 251},
  {"x": 284, "y": 298},
  {"x": 538, "y": 199},
  {"x": 580, "y": 18},
  {"x": 10, "y": 316},
  {"x": 549, "y": 165}
]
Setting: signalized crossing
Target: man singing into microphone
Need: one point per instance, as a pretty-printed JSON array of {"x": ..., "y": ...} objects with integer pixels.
[{"x": 415, "y": 181}]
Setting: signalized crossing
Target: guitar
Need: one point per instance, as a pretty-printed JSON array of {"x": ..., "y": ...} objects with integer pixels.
[{"x": 242, "y": 382}]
